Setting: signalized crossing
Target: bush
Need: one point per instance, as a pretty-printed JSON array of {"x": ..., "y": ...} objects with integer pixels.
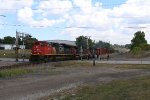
[
  {"x": 136, "y": 51},
  {"x": 145, "y": 47},
  {"x": 14, "y": 72}
]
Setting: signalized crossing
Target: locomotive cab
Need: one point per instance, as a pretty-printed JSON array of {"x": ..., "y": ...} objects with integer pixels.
[{"x": 42, "y": 48}]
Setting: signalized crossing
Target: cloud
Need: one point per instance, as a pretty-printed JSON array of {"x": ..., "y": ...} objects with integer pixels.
[
  {"x": 13, "y": 5},
  {"x": 26, "y": 16},
  {"x": 90, "y": 18},
  {"x": 84, "y": 5},
  {"x": 55, "y": 7},
  {"x": 109, "y": 24}
]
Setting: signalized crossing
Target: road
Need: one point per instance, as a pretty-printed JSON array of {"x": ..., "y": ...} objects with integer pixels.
[
  {"x": 13, "y": 60},
  {"x": 123, "y": 62},
  {"x": 114, "y": 60},
  {"x": 35, "y": 86}
]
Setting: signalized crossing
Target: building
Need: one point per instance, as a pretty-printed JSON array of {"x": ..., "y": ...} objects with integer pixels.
[{"x": 10, "y": 46}]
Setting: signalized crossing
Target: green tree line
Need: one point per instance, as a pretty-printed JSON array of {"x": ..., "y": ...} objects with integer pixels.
[
  {"x": 139, "y": 43},
  {"x": 28, "y": 41},
  {"x": 86, "y": 42}
]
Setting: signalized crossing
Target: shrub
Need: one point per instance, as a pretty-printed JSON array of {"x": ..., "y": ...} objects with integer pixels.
[
  {"x": 136, "y": 50},
  {"x": 145, "y": 47}
]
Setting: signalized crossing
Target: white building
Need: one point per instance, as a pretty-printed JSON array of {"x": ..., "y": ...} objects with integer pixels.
[{"x": 10, "y": 46}]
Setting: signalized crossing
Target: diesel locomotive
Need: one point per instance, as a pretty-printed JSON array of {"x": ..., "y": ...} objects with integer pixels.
[{"x": 51, "y": 51}]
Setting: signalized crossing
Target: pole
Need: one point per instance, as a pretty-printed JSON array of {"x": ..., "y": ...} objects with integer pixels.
[
  {"x": 87, "y": 47},
  {"x": 23, "y": 46},
  {"x": 93, "y": 55},
  {"x": 17, "y": 46},
  {"x": 87, "y": 41},
  {"x": 93, "y": 58},
  {"x": 81, "y": 51}
]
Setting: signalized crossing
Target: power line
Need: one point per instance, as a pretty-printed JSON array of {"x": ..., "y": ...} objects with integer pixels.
[
  {"x": 68, "y": 27},
  {"x": 138, "y": 27},
  {"x": 74, "y": 7},
  {"x": 11, "y": 24}
]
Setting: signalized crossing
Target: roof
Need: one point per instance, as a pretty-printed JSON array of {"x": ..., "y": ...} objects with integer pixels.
[{"x": 66, "y": 42}]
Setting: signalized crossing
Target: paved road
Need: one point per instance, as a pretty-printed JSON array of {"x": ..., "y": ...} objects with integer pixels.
[
  {"x": 111, "y": 61},
  {"x": 13, "y": 59},
  {"x": 124, "y": 62}
]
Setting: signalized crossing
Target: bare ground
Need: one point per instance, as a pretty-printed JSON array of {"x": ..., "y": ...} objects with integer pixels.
[{"x": 35, "y": 86}]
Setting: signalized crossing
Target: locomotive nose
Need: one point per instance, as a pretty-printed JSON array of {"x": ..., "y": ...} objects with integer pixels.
[{"x": 36, "y": 50}]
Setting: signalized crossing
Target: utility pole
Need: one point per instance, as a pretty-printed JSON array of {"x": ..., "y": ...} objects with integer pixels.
[
  {"x": 93, "y": 56},
  {"x": 81, "y": 52},
  {"x": 87, "y": 41},
  {"x": 17, "y": 45},
  {"x": 21, "y": 36}
]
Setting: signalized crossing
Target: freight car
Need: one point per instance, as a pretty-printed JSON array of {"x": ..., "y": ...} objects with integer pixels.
[
  {"x": 102, "y": 53},
  {"x": 51, "y": 51}
]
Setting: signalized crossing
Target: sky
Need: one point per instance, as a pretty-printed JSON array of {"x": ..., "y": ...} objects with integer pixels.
[{"x": 113, "y": 21}]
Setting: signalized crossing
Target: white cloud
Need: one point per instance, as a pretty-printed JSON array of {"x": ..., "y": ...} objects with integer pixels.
[
  {"x": 26, "y": 15},
  {"x": 55, "y": 6},
  {"x": 84, "y": 5},
  {"x": 111, "y": 24},
  {"x": 12, "y": 5},
  {"x": 104, "y": 24}
]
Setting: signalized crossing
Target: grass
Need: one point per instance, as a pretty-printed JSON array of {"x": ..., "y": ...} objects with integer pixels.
[
  {"x": 132, "y": 66},
  {"x": 46, "y": 69},
  {"x": 132, "y": 89},
  {"x": 89, "y": 64},
  {"x": 11, "y": 53},
  {"x": 14, "y": 72},
  {"x": 72, "y": 64}
]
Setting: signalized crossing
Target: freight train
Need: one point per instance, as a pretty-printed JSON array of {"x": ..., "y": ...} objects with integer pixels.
[
  {"x": 59, "y": 50},
  {"x": 51, "y": 51}
]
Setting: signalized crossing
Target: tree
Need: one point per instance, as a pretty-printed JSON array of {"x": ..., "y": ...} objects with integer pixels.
[
  {"x": 102, "y": 44},
  {"x": 138, "y": 40},
  {"x": 128, "y": 46},
  {"x": 9, "y": 40},
  {"x": 136, "y": 50},
  {"x": 1, "y": 40},
  {"x": 84, "y": 41},
  {"x": 29, "y": 41}
]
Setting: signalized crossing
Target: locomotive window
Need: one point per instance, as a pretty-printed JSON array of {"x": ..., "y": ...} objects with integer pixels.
[{"x": 36, "y": 43}]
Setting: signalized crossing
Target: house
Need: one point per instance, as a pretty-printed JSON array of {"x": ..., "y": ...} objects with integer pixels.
[{"x": 9, "y": 46}]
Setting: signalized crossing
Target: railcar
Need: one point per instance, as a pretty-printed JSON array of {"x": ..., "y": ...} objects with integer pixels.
[{"x": 102, "y": 53}]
